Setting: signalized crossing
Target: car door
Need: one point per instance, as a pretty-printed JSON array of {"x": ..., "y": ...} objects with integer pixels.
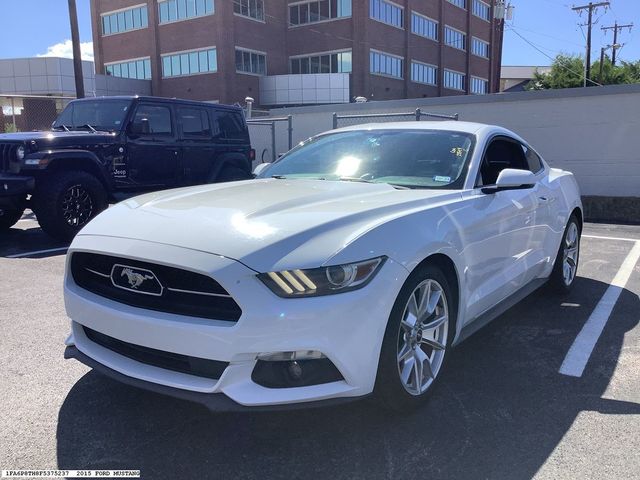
[
  {"x": 501, "y": 235},
  {"x": 198, "y": 148},
  {"x": 152, "y": 146}
]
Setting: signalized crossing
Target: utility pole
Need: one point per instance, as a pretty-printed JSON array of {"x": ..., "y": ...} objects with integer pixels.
[
  {"x": 75, "y": 40},
  {"x": 616, "y": 28},
  {"x": 591, "y": 7}
]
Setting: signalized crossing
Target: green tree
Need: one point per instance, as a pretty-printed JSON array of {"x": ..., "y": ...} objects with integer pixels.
[{"x": 567, "y": 71}]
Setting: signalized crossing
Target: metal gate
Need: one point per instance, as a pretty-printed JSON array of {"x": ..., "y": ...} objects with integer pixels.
[
  {"x": 417, "y": 115},
  {"x": 264, "y": 135}
]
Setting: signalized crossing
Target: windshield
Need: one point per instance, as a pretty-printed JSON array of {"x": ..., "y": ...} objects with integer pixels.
[
  {"x": 407, "y": 158},
  {"x": 105, "y": 115}
]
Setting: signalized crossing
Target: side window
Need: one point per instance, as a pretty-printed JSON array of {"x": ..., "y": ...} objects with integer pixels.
[
  {"x": 159, "y": 119},
  {"x": 533, "y": 160},
  {"x": 232, "y": 125},
  {"x": 501, "y": 154},
  {"x": 194, "y": 122}
]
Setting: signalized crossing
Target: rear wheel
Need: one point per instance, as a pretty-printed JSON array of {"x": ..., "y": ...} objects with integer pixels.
[
  {"x": 231, "y": 173},
  {"x": 66, "y": 202},
  {"x": 566, "y": 266},
  {"x": 416, "y": 340},
  {"x": 9, "y": 218}
]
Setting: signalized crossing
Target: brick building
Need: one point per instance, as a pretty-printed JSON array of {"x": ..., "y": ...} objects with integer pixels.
[{"x": 225, "y": 50}]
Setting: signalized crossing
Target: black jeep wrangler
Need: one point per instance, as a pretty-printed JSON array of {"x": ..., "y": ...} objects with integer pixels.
[{"x": 100, "y": 149}]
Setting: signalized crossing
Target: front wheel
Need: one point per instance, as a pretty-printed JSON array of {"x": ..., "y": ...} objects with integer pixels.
[
  {"x": 66, "y": 202},
  {"x": 566, "y": 266},
  {"x": 8, "y": 218},
  {"x": 417, "y": 338}
]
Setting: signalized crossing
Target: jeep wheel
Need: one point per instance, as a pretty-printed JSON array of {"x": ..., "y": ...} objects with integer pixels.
[
  {"x": 8, "y": 218},
  {"x": 232, "y": 173},
  {"x": 65, "y": 202}
]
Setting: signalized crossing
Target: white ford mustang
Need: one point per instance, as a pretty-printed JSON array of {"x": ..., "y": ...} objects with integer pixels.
[{"x": 348, "y": 267}]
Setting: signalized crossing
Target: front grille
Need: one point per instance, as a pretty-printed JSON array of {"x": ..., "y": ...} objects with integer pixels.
[
  {"x": 176, "y": 291},
  {"x": 200, "y": 367},
  {"x": 8, "y": 156}
]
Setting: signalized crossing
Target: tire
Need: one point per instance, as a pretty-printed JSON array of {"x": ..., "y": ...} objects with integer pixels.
[
  {"x": 231, "y": 173},
  {"x": 391, "y": 390},
  {"x": 566, "y": 266},
  {"x": 65, "y": 202},
  {"x": 9, "y": 218}
]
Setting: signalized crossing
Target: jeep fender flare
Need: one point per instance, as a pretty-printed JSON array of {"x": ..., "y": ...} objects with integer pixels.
[
  {"x": 82, "y": 160},
  {"x": 234, "y": 159}
]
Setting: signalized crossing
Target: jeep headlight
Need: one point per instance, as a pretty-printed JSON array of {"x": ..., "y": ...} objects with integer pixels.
[
  {"x": 314, "y": 282},
  {"x": 20, "y": 153}
]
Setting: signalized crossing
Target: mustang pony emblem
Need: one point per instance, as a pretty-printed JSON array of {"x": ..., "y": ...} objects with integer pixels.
[{"x": 135, "y": 279}]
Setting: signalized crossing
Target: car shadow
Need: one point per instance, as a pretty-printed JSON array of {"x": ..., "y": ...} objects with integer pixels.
[{"x": 499, "y": 412}]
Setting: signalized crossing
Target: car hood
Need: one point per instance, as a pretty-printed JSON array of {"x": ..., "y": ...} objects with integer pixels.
[
  {"x": 53, "y": 137},
  {"x": 267, "y": 224}
]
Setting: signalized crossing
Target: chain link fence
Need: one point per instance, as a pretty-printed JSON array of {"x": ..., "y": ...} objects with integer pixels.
[
  {"x": 267, "y": 135},
  {"x": 417, "y": 115},
  {"x": 25, "y": 113}
]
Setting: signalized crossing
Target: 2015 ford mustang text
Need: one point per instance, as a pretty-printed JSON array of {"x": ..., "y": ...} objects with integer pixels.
[{"x": 350, "y": 266}]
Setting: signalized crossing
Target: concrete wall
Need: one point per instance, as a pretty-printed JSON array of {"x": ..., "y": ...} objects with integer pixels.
[{"x": 592, "y": 132}]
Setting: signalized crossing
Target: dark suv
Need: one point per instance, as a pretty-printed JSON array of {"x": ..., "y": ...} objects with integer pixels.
[{"x": 101, "y": 148}]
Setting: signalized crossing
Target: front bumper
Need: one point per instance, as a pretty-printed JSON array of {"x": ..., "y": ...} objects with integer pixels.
[
  {"x": 347, "y": 328},
  {"x": 16, "y": 185}
]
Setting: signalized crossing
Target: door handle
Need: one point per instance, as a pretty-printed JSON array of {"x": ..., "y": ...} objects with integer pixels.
[{"x": 543, "y": 199}]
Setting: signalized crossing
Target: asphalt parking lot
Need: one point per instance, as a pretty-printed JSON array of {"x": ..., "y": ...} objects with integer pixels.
[{"x": 504, "y": 409}]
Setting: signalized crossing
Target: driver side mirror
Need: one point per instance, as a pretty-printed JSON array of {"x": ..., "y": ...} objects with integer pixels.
[
  {"x": 512, "y": 178},
  {"x": 259, "y": 168},
  {"x": 140, "y": 127}
]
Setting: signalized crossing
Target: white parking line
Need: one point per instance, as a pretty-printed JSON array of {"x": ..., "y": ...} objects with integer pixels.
[
  {"x": 37, "y": 252},
  {"x": 578, "y": 355},
  {"x": 612, "y": 238}
]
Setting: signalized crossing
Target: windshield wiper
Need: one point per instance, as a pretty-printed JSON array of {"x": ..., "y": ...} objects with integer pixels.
[
  {"x": 86, "y": 125},
  {"x": 64, "y": 127},
  {"x": 355, "y": 179}
]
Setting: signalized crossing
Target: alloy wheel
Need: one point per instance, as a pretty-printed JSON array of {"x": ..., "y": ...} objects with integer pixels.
[
  {"x": 422, "y": 337},
  {"x": 77, "y": 206},
  {"x": 570, "y": 254}
]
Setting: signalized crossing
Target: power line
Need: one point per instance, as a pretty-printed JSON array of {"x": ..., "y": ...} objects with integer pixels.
[{"x": 550, "y": 57}]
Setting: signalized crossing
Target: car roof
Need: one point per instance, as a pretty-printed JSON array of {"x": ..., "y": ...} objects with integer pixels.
[
  {"x": 449, "y": 125},
  {"x": 162, "y": 99}
]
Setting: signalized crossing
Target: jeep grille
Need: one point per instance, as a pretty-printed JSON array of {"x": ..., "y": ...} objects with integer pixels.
[
  {"x": 180, "y": 292},
  {"x": 8, "y": 157}
]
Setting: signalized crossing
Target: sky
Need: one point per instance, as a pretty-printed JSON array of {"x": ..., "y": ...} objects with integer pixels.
[{"x": 539, "y": 30}]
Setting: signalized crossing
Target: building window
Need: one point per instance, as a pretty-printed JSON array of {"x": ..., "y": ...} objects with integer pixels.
[
  {"x": 424, "y": 73},
  {"x": 137, "y": 68},
  {"x": 479, "y": 86},
  {"x": 481, "y": 9},
  {"x": 337, "y": 62},
  {"x": 318, "y": 11},
  {"x": 479, "y": 47},
  {"x": 385, "y": 64},
  {"x": 459, "y": 3},
  {"x": 454, "y": 80},
  {"x": 387, "y": 12},
  {"x": 174, "y": 10},
  {"x": 125, "y": 20},
  {"x": 248, "y": 61},
  {"x": 190, "y": 63},
  {"x": 249, "y": 8},
  {"x": 455, "y": 38},
  {"x": 423, "y": 26}
]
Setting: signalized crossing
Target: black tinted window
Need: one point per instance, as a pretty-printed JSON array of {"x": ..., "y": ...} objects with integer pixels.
[
  {"x": 159, "y": 118},
  {"x": 232, "y": 125},
  {"x": 194, "y": 121},
  {"x": 535, "y": 164},
  {"x": 501, "y": 154}
]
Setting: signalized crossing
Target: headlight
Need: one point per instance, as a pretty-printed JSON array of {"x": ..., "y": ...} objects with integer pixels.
[
  {"x": 20, "y": 152},
  {"x": 314, "y": 282}
]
